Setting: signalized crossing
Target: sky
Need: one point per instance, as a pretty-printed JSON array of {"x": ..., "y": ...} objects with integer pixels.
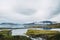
[{"x": 22, "y": 11}]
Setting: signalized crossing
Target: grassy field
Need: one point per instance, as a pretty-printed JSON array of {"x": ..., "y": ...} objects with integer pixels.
[{"x": 47, "y": 34}]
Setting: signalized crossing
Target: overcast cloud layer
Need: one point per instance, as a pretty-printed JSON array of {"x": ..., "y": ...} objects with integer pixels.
[{"x": 21, "y": 11}]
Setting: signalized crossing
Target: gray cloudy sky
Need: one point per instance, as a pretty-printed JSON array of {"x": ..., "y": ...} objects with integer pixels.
[{"x": 20, "y": 11}]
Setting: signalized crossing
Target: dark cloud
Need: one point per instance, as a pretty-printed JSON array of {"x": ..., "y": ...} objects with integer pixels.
[{"x": 25, "y": 11}]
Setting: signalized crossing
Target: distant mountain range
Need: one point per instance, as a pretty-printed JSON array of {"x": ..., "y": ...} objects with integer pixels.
[
  {"x": 27, "y": 25},
  {"x": 9, "y": 24},
  {"x": 41, "y": 22},
  {"x": 32, "y": 23}
]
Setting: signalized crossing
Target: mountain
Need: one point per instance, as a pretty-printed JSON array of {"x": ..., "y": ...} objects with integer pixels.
[
  {"x": 41, "y": 24},
  {"x": 8, "y": 24},
  {"x": 29, "y": 24}
]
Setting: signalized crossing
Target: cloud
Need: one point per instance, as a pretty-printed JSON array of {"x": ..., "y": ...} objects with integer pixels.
[
  {"x": 25, "y": 11},
  {"x": 55, "y": 18},
  {"x": 21, "y": 11}
]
